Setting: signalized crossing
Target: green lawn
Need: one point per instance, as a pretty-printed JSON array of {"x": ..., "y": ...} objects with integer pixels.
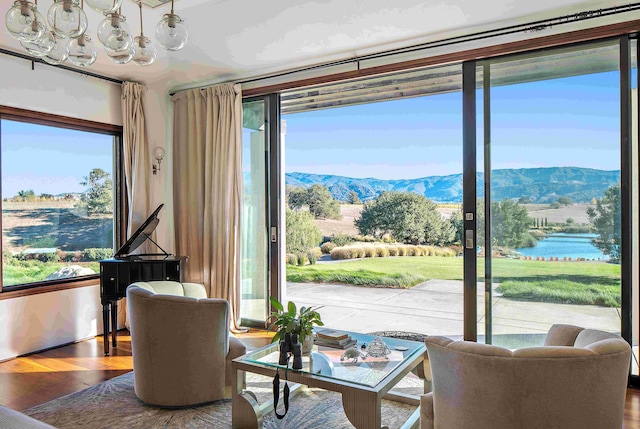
[
  {"x": 546, "y": 281},
  {"x": 21, "y": 272}
]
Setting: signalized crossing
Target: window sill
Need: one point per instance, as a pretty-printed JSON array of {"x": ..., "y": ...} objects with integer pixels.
[{"x": 91, "y": 281}]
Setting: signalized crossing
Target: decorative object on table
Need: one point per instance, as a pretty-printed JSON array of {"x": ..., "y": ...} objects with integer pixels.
[
  {"x": 353, "y": 354},
  {"x": 292, "y": 321},
  {"x": 334, "y": 338},
  {"x": 290, "y": 347},
  {"x": 377, "y": 348}
]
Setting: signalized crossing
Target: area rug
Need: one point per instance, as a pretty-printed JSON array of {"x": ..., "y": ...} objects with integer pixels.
[{"x": 113, "y": 404}]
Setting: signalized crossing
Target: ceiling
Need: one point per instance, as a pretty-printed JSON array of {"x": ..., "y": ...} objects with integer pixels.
[{"x": 239, "y": 39}]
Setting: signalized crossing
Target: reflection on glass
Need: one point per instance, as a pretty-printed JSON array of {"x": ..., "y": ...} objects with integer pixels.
[
  {"x": 254, "y": 245},
  {"x": 555, "y": 193}
]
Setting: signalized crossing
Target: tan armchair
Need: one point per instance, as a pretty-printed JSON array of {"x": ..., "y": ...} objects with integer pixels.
[
  {"x": 181, "y": 346},
  {"x": 577, "y": 380}
]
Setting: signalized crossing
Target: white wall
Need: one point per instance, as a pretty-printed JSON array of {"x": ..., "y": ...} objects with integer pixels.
[
  {"x": 159, "y": 116},
  {"x": 36, "y": 322}
]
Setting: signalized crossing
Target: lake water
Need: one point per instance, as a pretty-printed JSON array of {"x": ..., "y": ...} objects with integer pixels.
[{"x": 565, "y": 245}]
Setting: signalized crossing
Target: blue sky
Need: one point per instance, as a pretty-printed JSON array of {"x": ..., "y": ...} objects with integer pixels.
[
  {"x": 50, "y": 160},
  {"x": 562, "y": 122}
]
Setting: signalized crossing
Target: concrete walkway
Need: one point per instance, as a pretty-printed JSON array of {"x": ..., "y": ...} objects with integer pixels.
[{"x": 435, "y": 307}]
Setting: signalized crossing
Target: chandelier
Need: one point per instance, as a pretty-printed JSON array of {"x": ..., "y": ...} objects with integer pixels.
[{"x": 62, "y": 35}]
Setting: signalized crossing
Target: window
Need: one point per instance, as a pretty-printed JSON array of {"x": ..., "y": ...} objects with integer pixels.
[{"x": 58, "y": 201}]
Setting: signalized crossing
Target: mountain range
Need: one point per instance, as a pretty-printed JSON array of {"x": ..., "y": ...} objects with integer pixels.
[{"x": 540, "y": 185}]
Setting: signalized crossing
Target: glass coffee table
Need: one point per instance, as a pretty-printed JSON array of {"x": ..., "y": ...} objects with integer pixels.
[{"x": 362, "y": 383}]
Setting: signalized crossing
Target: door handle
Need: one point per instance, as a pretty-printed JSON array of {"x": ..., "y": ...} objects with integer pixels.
[{"x": 468, "y": 239}]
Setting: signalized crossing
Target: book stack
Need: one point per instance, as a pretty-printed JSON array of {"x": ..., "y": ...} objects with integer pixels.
[{"x": 333, "y": 338}]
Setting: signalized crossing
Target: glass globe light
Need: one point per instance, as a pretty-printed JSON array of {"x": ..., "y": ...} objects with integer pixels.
[
  {"x": 82, "y": 52},
  {"x": 58, "y": 54},
  {"x": 120, "y": 57},
  {"x": 24, "y": 22},
  {"x": 67, "y": 19},
  {"x": 114, "y": 33},
  {"x": 171, "y": 32},
  {"x": 40, "y": 47},
  {"x": 104, "y": 6},
  {"x": 144, "y": 51}
]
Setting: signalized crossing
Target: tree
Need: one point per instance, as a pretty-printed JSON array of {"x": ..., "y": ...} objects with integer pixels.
[
  {"x": 524, "y": 200},
  {"x": 301, "y": 231},
  {"x": 605, "y": 218},
  {"x": 353, "y": 198},
  {"x": 26, "y": 195},
  {"x": 510, "y": 225},
  {"x": 98, "y": 199},
  {"x": 296, "y": 197},
  {"x": 316, "y": 198},
  {"x": 321, "y": 203},
  {"x": 457, "y": 223},
  {"x": 565, "y": 201},
  {"x": 407, "y": 217}
]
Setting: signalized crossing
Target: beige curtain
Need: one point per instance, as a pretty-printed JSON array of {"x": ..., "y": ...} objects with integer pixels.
[
  {"x": 135, "y": 160},
  {"x": 207, "y": 188},
  {"x": 135, "y": 153}
]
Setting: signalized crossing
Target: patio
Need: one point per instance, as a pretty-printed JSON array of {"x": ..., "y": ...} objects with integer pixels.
[{"x": 435, "y": 307}]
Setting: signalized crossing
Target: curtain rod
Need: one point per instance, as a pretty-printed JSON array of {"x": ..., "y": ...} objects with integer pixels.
[
  {"x": 61, "y": 66},
  {"x": 530, "y": 27}
]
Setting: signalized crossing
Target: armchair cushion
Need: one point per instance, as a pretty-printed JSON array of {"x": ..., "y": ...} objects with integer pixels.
[
  {"x": 580, "y": 385},
  {"x": 180, "y": 344}
]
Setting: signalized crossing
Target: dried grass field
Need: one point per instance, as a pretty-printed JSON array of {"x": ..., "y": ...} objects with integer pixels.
[
  {"x": 52, "y": 224},
  {"x": 350, "y": 212}
]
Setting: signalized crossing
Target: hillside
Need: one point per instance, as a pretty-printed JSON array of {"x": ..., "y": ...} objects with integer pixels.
[{"x": 540, "y": 185}]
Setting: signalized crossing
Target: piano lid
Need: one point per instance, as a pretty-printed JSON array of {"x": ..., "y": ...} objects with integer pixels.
[{"x": 141, "y": 235}]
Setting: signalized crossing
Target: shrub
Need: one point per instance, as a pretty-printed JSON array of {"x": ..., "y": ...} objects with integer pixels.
[
  {"x": 97, "y": 253},
  {"x": 370, "y": 252},
  {"x": 363, "y": 239},
  {"x": 358, "y": 251},
  {"x": 342, "y": 253},
  {"x": 327, "y": 247},
  {"x": 529, "y": 240},
  {"x": 411, "y": 250},
  {"x": 341, "y": 239},
  {"x": 393, "y": 250},
  {"x": 301, "y": 231},
  {"x": 382, "y": 251},
  {"x": 444, "y": 251},
  {"x": 7, "y": 257},
  {"x": 302, "y": 259},
  {"x": 292, "y": 259},
  {"x": 426, "y": 250},
  {"x": 386, "y": 238},
  {"x": 402, "y": 250},
  {"x": 316, "y": 252},
  {"x": 311, "y": 256}
]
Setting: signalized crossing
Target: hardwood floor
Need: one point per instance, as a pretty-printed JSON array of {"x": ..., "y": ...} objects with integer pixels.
[{"x": 31, "y": 380}]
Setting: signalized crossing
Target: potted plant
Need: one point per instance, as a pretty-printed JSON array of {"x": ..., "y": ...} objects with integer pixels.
[{"x": 295, "y": 322}]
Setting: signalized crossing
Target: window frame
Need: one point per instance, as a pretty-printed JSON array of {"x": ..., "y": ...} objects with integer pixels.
[{"x": 52, "y": 120}]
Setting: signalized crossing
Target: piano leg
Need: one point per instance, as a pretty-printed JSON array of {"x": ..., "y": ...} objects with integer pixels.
[
  {"x": 114, "y": 323},
  {"x": 105, "y": 326}
]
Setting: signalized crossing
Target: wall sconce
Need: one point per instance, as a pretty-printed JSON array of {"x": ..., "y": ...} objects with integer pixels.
[{"x": 158, "y": 154}]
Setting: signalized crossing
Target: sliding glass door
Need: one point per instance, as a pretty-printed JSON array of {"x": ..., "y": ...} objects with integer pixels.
[
  {"x": 548, "y": 185},
  {"x": 550, "y": 204},
  {"x": 254, "y": 240}
]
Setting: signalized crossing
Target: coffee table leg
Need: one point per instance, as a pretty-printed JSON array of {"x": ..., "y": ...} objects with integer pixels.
[
  {"x": 246, "y": 413},
  {"x": 363, "y": 409}
]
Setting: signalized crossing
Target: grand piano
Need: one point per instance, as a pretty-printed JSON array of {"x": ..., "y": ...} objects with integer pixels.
[{"x": 125, "y": 268}]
